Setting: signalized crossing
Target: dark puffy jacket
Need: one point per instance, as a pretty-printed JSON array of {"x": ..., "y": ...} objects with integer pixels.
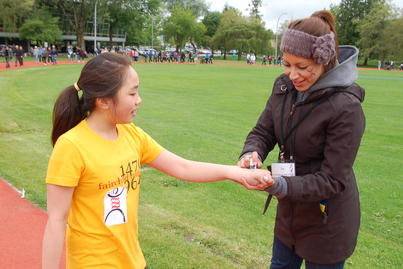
[{"x": 325, "y": 147}]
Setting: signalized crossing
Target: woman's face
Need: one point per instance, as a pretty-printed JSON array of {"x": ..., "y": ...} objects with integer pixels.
[{"x": 303, "y": 72}]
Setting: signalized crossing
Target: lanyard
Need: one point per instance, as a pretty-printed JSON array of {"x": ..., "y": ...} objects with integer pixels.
[{"x": 283, "y": 139}]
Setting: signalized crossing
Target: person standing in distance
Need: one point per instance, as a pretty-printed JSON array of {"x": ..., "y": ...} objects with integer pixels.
[{"x": 7, "y": 54}]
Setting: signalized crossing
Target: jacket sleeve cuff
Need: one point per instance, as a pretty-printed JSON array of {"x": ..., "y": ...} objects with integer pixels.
[
  {"x": 249, "y": 154},
  {"x": 279, "y": 189}
]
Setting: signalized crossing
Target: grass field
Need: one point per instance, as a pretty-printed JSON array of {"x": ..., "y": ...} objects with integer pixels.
[{"x": 203, "y": 113}]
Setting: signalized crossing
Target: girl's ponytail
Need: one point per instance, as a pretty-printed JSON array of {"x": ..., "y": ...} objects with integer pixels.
[{"x": 67, "y": 112}]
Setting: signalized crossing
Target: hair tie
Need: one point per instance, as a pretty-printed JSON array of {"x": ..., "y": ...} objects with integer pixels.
[
  {"x": 76, "y": 86},
  {"x": 316, "y": 15}
]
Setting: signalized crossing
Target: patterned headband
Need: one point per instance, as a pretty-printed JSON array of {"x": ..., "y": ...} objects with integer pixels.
[{"x": 319, "y": 48}]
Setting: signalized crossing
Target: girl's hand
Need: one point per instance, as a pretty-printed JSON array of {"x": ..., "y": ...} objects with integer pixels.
[{"x": 257, "y": 180}]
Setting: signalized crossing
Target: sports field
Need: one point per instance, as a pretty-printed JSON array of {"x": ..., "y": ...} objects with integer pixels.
[{"x": 203, "y": 113}]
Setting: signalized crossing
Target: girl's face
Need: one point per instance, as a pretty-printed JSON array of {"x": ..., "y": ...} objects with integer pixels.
[
  {"x": 128, "y": 99},
  {"x": 303, "y": 72}
]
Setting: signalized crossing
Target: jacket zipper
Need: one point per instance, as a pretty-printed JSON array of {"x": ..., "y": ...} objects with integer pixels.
[{"x": 292, "y": 109}]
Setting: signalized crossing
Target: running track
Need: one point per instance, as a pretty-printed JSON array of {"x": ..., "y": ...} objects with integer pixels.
[{"x": 22, "y": 224}]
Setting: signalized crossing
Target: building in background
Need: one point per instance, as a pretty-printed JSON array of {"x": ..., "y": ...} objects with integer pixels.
[{"x": 69, "y": 36}]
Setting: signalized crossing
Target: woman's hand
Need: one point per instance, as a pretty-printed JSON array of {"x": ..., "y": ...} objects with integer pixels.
[{"x": 245, "y": 161}]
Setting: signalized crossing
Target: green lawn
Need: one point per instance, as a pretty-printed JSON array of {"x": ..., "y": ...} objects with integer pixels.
[{"x": 203, "y": 113}]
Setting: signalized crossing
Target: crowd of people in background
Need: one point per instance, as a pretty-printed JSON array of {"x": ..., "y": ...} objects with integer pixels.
[
  {"x": 47, "y": 55},
  {"x": 390, "y": 65},
  {"x": 15, "y": 51},
  {"x": 251, "y": 60},
  {"x": 169, "y": 57},
  {"x": 43, "y": 55}
]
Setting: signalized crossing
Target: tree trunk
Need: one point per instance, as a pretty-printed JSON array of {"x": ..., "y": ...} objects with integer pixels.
[
  {"x": 193, "y": 45},
  {"x": 225, "y": 53},
  {"x": 80, "y": 38},
  {"x": 239, "y": 55},
  {"x": 365, "y": 61}
]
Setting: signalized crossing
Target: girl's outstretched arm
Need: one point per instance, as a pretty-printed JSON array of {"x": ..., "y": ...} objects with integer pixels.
[
  {"x": 192, "y": 171},
  {"x": 58, "y": 208}
]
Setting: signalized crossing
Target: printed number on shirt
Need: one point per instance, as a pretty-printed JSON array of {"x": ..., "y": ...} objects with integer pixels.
[{"x": 131, "y": 175}]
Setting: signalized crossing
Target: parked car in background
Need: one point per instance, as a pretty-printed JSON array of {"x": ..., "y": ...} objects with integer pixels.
[
  {"x": 232, "y": 52},
  {"x": 187, "y": 50}
]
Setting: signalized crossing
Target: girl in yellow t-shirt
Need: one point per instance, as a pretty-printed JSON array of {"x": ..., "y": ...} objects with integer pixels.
[{"x": 94, "y": 176}]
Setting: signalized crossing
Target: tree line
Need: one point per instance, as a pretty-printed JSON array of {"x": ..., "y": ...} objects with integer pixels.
[
  {"x": 374, "y": 26},
  {"x": 179, "y": 22}
]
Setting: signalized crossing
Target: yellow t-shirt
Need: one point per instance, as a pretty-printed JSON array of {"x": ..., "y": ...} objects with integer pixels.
[{"x": 102, "y": 227}]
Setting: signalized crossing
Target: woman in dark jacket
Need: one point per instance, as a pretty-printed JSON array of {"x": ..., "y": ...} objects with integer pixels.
[
  {"x": 315, "y": 116},
  {"x": 44, "y": 55},
  {"x": 7, "y": 54}
]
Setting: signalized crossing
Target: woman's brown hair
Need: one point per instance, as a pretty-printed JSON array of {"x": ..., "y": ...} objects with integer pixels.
[
  {"x": 101, "y": 77},
  {"x": 320, "y": 23}
]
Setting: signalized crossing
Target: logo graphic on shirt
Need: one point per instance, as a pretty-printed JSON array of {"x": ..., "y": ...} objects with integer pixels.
[{"x": 115, "y": 206}]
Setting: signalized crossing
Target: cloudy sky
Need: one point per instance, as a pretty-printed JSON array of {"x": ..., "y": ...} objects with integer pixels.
[{"x": 272, "y": 9}]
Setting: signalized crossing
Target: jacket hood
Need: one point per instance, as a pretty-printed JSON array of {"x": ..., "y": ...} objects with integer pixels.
[{"x": 344, "y": 74}]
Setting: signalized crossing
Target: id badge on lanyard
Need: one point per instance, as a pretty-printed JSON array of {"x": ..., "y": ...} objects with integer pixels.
[{"x": 283, "y": 169}]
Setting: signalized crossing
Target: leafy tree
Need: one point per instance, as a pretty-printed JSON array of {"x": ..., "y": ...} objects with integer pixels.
[
  {"x": 345, "y": 14},
  {"x": 198, "y": 7},
  {"x": 197, "y": 32},
  {"x": 152, "y": 24},
  {"x": 262, "y": 37},
  {"x": 396, "y": 42},
  {"x": 41, "y": 26},
  {"x": 182, "y": 26},
  {"x": 223, "y": 38},
  {"x": 253, "y": 9},
  {"x": 227, "y": 7},
  {"x": 242, "y": 37},
  {"x": 212, "y": 21},
  {"x": 11, "y": 11},
  {"x": 376, "y": 30},
  {"x": 123, "y": 13},
  {"x": 78, "y": 13},
  {"x": 135, "y": 35},
  {"x": 241, "y": 33}
]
